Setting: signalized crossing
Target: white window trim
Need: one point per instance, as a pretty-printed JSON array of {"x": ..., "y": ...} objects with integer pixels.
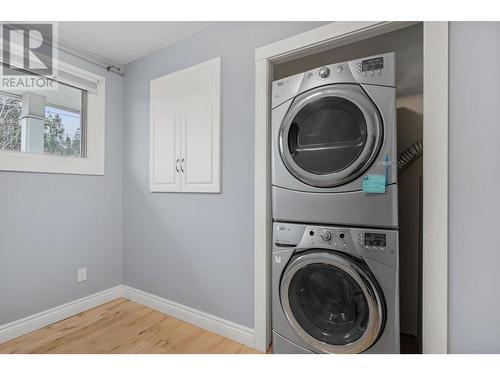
[{"x": 93, "y": 163}]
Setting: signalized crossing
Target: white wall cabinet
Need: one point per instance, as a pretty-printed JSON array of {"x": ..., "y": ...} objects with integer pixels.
[{"x": 185, "y": 130}]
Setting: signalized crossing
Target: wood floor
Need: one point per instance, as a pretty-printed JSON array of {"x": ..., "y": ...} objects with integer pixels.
[{"x": 122, "y": 326}]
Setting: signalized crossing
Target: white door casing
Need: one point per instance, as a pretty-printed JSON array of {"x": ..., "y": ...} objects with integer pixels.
[{"x": 435, "y": 190}]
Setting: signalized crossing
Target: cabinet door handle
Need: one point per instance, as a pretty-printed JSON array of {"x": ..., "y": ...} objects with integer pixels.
[
  {"x": 182, "y": 165},
  {"x": 177, "y": 165}
]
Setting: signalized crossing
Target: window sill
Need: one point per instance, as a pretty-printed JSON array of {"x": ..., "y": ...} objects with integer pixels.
[{"x": 46, "y": 163}]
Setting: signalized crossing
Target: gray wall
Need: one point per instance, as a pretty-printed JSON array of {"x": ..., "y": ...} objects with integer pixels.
[
  {"x": 474, "y": 204},
  {"x": 53, "y": 224},
  {"x": 197, "y": 249}
]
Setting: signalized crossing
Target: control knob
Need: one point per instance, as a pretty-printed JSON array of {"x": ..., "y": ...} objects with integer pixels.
[
  {"x": 326, "y": 235},
  {"x": 324, "y": 72}
]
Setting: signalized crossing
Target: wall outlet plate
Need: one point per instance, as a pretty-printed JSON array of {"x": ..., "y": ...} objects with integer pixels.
[{"x": 81, "y": 274}]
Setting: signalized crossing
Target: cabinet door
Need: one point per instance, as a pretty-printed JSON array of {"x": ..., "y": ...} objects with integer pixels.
[
  {"x": 165, "y": 127},
  {"x": 200, "y": 160}
]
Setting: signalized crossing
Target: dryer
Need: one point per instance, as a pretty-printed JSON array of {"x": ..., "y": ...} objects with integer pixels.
[
  {"x": 333, "y": 134},
  {"x": 334, "y": 290}
]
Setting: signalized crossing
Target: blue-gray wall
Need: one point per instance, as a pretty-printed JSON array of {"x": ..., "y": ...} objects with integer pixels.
[
  {"x": 197, "y": 249},
  {"x": 474, "y": 202},
  {"x": 53, "y": 224}
]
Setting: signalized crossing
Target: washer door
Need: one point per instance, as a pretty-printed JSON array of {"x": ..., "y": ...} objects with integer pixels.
[
  {"x": 330, "y": 135},
  {"x": 332, "y": 302}
]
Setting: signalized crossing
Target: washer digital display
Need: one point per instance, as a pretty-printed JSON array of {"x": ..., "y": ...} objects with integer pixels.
[
  {"x": 375, "y": 239},
  {"x": 372, "y": 64}
]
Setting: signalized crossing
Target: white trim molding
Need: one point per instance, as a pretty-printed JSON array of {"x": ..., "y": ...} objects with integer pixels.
[
  {"x": 45, "y": 318},
  {"x": 212, "y": 323},
  {"x": 435, "y": 212},
  {"x": 263, "y": 215},
  {"x": 435, "y": 190},
  {"x": 329, "y": 36}
]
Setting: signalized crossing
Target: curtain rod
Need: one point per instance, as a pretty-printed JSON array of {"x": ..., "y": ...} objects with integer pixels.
[
  {"x": 100, "y": 61},
  {"x": 94, "y": 59}
]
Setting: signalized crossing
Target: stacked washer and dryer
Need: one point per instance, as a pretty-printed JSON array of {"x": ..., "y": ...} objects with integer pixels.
[{"x": 334, "y": 202}]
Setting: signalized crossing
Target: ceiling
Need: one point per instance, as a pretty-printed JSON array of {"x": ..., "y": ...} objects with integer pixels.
[{"x": 122, "y": 42}]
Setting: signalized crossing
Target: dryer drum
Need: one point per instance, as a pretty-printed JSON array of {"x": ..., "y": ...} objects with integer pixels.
[{"x": 330, "y": 135}]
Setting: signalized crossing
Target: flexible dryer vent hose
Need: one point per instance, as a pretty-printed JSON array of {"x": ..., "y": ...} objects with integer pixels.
[{"x": 409, "y": 155}]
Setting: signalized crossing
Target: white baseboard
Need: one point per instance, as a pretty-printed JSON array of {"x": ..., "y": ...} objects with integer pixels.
[
  {"x": 31, "y": 323},
  {"x": 233, "y": 331}
]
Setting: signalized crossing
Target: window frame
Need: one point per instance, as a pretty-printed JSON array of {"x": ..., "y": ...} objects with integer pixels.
[
  {"x": 92, "y": 160},
  {"x": 83, "y": 118}
]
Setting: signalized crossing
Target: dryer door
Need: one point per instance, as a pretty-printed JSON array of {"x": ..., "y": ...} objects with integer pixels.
[
  {"x": 332, "y": 303},
  {"x": 330, "y": 135}
]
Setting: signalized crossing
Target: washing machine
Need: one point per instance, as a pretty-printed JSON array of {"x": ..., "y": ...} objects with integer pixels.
[
  {"x": 334, "y": 144},
  {"x": 334, "y": 289}
]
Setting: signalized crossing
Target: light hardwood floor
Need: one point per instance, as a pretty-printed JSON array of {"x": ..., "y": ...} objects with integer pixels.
[{"x": 122, "y": 326}]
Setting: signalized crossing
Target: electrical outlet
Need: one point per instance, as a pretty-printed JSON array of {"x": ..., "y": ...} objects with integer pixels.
[{"x": 81, "y": 274}]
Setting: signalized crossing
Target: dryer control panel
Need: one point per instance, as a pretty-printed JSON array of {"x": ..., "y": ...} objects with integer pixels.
[
  {"x": 380, "y": 245},
  {"x": 372, "y": 70}
]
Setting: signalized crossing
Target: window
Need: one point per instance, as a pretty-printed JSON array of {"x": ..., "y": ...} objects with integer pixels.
[
  {"x": 62, "y": 132},
  {"x": 58, "y": 130},
  {"x": 10, "y": 122}
]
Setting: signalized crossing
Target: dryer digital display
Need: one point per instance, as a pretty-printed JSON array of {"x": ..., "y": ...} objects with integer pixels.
[
  {"x": 375, "y": 239},
  {"x": 372, "y": 64}
]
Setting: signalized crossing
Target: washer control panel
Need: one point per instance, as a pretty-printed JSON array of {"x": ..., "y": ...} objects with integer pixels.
[
  {"x": 372, "y": 242},
  {"x": 318, "y": 236},
  {"x": 380, "y": 245}
]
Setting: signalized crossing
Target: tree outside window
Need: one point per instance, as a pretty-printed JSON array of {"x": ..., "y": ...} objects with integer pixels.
[{"x": 62, "y": 131}]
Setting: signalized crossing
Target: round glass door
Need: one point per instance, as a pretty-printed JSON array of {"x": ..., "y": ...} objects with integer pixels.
[
  {"x": 330, "y": 135},
  {"x": 332, "y": 303}
]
